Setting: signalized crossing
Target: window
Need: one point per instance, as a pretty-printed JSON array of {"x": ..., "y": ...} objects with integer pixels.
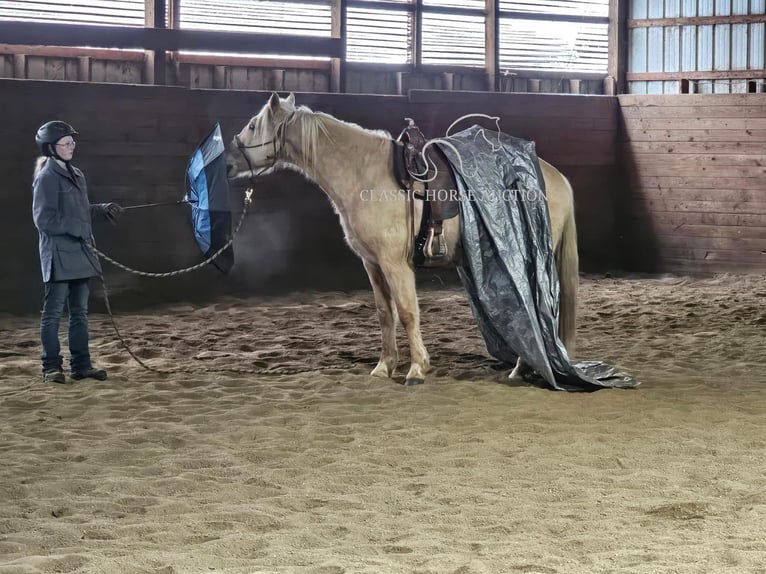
[
  {"x": 100, "y": 12},
  {"x": 299, "y": 18},
  {"x": 533, "y": 35},
  {"x": 379, "y": 35}
]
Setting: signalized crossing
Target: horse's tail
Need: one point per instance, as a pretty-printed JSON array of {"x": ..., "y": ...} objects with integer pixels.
[{"x": 567, "y": 263}]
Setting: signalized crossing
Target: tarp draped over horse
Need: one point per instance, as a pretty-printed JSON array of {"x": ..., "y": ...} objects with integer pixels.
[{"x": 508, "y": 267}]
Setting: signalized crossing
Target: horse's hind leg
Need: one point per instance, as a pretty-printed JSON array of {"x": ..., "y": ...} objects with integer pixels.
[
  {"x": 387, "y": 319},
  {"x": 401, "y": 281}
]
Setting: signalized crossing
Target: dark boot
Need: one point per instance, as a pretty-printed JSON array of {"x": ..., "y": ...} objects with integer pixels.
[
  {"x": 54, "y": 376},
  {"x": 90, "y": 373}
]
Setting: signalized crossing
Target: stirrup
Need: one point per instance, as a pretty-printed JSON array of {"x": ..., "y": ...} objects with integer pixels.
[{"x": 436, "y": 245}]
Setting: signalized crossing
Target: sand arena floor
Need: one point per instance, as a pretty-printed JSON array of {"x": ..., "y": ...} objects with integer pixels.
[{"x": 307, "y": 464}]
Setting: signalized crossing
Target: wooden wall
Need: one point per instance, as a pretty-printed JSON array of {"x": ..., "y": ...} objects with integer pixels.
[
  {"x": 697, "y": 167},
  {"x": 135, "y": 142}
]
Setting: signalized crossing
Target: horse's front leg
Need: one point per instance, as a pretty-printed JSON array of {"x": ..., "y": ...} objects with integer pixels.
[
  {"x": 401, "y": 281},
  {"x": 389, "y": 356}
]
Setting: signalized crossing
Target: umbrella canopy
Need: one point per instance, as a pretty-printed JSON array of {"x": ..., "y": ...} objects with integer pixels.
[{"x": 209, "y": 199}]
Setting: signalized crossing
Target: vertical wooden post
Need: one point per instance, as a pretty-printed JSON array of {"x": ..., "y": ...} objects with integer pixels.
[
  {"x": 492, "y": 45},
  {"x": 448, "y": 81},
  {"x": 83, "y": 69},
  {"x": 417, "y": 35},
  {"x": 277, "y": 80},
  {"x": 574, "y": 86},
  {"x": 155, "y": 59},
  {"x": 618, "y": 47},
  {"x": 19, "y": 66},
  {"x": 219, "y": 77},
  {"x": 338, "y": 65}
]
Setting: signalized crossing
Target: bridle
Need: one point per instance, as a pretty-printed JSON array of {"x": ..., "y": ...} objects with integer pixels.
[{"x": 275, "y": 156}]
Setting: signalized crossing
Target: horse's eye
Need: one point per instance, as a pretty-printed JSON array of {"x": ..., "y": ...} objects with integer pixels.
[{"x": 251, "y": 127}]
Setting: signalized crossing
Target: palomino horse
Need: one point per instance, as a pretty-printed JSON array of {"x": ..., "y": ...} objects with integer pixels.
[{"x": 353, "y": 166}]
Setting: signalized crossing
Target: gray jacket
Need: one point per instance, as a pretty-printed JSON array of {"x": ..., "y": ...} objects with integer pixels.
[{"x": 62, "y": 215}]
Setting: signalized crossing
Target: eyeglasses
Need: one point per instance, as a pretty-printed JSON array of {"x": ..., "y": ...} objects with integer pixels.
[{"x": 68, "y": 144}]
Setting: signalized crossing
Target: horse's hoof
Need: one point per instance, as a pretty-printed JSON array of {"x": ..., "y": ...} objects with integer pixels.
[{"x": 413, "y": 382}]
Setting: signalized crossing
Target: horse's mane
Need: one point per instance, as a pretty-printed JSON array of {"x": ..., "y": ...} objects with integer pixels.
[{"x": 317, "y": 125}]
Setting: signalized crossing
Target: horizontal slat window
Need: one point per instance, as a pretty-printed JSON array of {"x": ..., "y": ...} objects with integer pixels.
[
  {"x": 381, "y": 36},
  {"x": 453, "y": 40},
  {"x": 545, "y": 45},
  {"x": 567, "y": 7},
  {"x": 472, "y": 4},
  {"x": 300, "y": 18},
  {"x": 97, "y": 12}
]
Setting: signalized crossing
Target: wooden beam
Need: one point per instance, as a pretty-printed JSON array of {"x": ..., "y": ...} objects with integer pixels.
[
  {"x": 492, "y": 44},
  {"x": 697, "y": 21},
  {"x": 43, "y": 33},
  {"x": 553, "y": 17},
  {"x": 417, "y": 34},
  {"x": 249, "y": 61},
  {"x": 618, "y": 48},
  {"x": 338, "y": 65},
  {"x": 156, "y": 59},
  {"x": 58, "y": 52},
  {"x": 709, "y": 75}
]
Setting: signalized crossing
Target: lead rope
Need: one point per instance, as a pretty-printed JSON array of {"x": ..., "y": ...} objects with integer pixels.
[{"x": 282, "y": 371}]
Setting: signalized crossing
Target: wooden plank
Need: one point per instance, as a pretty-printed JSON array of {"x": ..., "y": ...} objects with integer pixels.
[
  {"x": 36, "y": 68},
  {"x": 675, "y": 218},
  {"x": 713, "y": 231},
  {"x": 709, "y": 266},
  {"x": 83, "y": 69},
  {"x": 688, "y": 75},
  {"x": 640, "y": 147},
  {"x": 164, "y": 39},
  {"x": 696, "y": 21},
  {"x": 98, "y": 71},
  {"x": 703, "y": 161},
  {"x": 738, "y": 207},
  {"x": 62, "y": 52},
  {"x": 716, "y": 243},
  {"x": 692, "y": 253},
  {"x": 251, "y": 61},
  {"x": 19, "y": 66},
  {"x": 633, "y": 133},
  {"x": 714, "y": 193},
  {"x": 703, "y": 182},
  {"x": 714, "y": 123},
  {"x": 713, "y": 171},
  {"x": 697, "y": 112},
  {"x": 686, "y": 100},
  {"x": 238, "y": 78},
  {"x": 200, "y": 76},
  {"x": 492, "y": 44},
  {"x": 712, "y": 257}
]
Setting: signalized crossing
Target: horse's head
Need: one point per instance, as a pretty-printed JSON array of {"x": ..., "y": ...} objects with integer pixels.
[{"x": 258, "y": 145}]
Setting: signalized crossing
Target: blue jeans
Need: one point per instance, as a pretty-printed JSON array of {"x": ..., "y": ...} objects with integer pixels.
[{"x": 75, "y": 294}]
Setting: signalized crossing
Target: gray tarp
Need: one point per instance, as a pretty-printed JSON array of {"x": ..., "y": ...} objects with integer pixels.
[{"x": 509, "y": 271}]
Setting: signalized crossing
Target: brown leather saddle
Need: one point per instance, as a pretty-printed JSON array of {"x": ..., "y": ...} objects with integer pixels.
[{"x": 428, "y": 177}]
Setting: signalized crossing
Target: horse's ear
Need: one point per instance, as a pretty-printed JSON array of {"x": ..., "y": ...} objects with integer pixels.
[
  {"x": 291, "y": 98},
  {"x": 274, "y": 101}
]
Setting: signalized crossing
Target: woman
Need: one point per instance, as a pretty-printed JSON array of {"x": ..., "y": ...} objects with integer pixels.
[{"x": 62, "y": 215}]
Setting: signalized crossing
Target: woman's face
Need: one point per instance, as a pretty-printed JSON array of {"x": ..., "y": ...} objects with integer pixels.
[{"x": 65, "y": 148}]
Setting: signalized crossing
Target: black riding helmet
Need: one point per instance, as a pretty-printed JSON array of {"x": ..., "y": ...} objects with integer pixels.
[{"x": 50, "y": 133}]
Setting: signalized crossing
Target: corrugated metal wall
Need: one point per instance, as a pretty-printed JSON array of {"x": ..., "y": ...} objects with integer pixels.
[{"x": 715, "y": 47}]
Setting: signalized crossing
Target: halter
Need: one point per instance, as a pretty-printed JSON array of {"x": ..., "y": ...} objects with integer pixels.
[{"x": 274, "y": 157}]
